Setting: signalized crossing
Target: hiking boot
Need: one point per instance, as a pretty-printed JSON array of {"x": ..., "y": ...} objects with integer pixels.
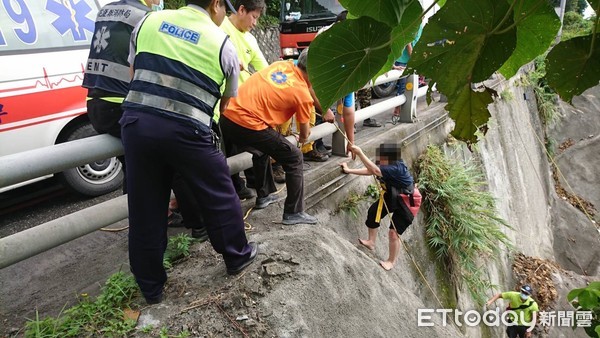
[
  {"x": 263, "y": 202},
  {"x": 245, "y": 193},
  {"x": 315, "y": 156},
  {"x": 279, "y": 174},
  {"x": 323, "y": 149},
  {"x": 298, "y": 218},
  {"x": 371, "y": 123},
  {"x": 200, "y": 234}
]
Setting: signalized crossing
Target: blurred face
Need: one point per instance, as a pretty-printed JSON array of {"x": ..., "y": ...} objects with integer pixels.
[{"x": 247, "y": 19}]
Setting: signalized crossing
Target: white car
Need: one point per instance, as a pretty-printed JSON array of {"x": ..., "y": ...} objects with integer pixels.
[{"x": 44, "y": 45}]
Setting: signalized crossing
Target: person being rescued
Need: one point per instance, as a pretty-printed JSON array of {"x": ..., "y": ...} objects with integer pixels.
[{"x": 394, "y": 178}]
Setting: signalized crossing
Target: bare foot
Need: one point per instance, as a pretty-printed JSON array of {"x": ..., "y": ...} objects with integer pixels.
[
  {"x": 386, "y": 265},
  {"x": 368, "y": 244}
]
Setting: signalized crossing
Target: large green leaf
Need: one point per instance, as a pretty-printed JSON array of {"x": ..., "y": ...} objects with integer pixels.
[
  {"x": 537, "y": 27},
  {"x": 572, "y": 67},
  {"x": 466, "y": 41},
  {"x": 387, "y": 11},
  {"x": 403, "y": 33},
  {"x": 574, "y": 293},
  {"x": 346, "y": 56},
  {"x": 587, "y": 300},
  {"x": 469, "y": 111}
]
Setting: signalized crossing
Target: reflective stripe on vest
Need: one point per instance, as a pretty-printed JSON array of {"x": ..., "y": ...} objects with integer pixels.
[
  {"x": 178, "y": 64},
  {"x": 173, "y": 82},
  {"x": 107, "y": 68},
  {"x": 162, "y": 103}
]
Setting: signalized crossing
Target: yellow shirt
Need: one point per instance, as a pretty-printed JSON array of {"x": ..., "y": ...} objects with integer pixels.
[{"x": 247, "y": 48}]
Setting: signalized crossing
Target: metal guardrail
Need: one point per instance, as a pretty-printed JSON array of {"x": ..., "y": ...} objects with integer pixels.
[{"x": 48, "y": 160}]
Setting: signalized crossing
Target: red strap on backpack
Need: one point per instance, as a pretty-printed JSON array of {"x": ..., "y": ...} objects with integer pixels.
[{"x": 413, "y": 201}]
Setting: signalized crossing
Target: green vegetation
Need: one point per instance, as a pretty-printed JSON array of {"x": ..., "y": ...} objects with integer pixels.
[
  {"x": 588, "y": 299},
  {"x": 461, "y": 222},
  {"x": 372, "y": 191},
  {"x": 351, "y": 203},
  {"x": 461, "y": 46},
  {"x": 177, "y": 248},
  {"x": 547, "y": 99},
  {"x": 105, "y": 316},
  {"x": 507, "y": 95},
  {"x": 164, "y": 333},
  {"x": 575, "y": 25},
  {"x": 576, "y": 6}
]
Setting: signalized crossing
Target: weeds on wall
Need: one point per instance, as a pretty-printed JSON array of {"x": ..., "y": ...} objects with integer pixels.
[
  {"x": 507, "y": 95},
  {"x": 461, "y": 223},
  {"x": 372, "y": 192},
  {"x": 105, "y": 316},
  {"x": 351, "y": 203},
  {"x": 547, "y": 99}
]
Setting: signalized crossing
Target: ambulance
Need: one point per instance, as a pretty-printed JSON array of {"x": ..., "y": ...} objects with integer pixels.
[{"x": 44, "y": 47}]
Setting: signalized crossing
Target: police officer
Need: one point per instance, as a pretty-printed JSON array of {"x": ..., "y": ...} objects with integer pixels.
[{"x": 179, "y": 59}]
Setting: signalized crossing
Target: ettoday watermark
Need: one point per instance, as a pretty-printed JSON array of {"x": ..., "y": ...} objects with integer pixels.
[{"x": 497, "y": 317}]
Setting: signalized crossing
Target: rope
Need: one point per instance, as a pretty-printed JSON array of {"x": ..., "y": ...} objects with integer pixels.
[
  {"x": 394, "y": 226},
  {"x": 562, "y": 176},
  {"x": 404, "y": 244},
  {"x": 114, "y": 230},
  {"x": 248, "y": 226}
]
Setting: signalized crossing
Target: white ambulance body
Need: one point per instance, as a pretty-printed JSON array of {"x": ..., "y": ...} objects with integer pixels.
[{"x": 43, "y": 50}]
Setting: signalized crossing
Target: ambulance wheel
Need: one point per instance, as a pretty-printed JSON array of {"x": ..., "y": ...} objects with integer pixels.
[{"x": 92, "y": 179}]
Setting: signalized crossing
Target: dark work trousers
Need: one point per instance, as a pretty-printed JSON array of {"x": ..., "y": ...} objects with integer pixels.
[
  {"x": 516, "y": 331},
  {"x": 155, "y": 147},
  {"x": 401, "y": 215},
  {"x": 271, "y": 144},
  {"x": 191, "y": 211},
  {"x": 238, "y": 182},
  {"x": 105, "y": 117}
]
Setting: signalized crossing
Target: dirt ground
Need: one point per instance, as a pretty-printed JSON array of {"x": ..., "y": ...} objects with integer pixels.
[{"x": 307, "y": 281}]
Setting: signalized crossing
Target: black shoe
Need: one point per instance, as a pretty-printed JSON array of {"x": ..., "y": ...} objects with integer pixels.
[
  {"x": 200, "y": 234},
  {"x": 323, "y": 149},
  {"x": 245, "y": 193},
  {"x": 315, "y": 156},
  {"x": 263, "y": 202},
  {"x": 174, "y": 220},
  {"x": 155, "y": 300},
  {"x": 371, "y": 123},
  {"x": 238, "y": 269}
]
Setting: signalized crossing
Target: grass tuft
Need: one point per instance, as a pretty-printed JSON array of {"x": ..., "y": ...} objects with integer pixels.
[{"x": 462, "y": 225}]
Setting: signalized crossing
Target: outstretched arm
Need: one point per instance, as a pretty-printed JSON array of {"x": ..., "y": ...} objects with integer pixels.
[
  {"x": 493, "y": 299},
  {"x": 360, "y": 171},
  {"x": 370, "y": 166}
]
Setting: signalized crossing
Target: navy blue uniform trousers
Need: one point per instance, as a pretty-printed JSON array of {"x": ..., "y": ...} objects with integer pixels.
[{"x": 156, "y": 146}]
